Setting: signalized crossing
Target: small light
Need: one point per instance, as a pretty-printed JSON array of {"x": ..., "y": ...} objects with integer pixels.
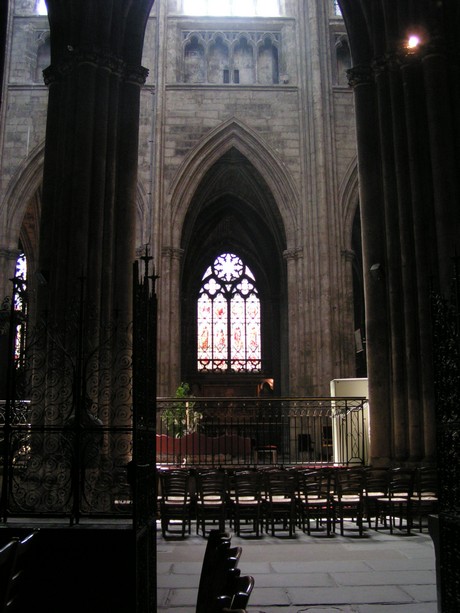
[{"x": 413, "y": 41}]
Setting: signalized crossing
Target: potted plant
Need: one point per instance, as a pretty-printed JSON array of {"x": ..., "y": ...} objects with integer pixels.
[{"x": 181, "y": 417}]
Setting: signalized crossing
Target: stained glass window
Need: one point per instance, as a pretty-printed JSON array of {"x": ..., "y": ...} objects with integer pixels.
[
  {"x": 228, "y": 318},
  {"x": 20, "y": 306}
]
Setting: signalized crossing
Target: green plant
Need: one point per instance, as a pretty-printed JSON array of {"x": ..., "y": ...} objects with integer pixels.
[{"x": 181, "y": 417}]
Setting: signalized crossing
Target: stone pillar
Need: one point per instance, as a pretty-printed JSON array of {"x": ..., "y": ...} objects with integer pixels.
[
  {"x": 90, "y": 174},
  {"x": 298, "y": 355},
  {"x": 87, "y": 232},
  {"x": 391, "y": 271},
  {"x": 424, "y": 257},
  {"x": 169, "y": 331},
  {"x": 444, "y": 158},
  {"x": 373, "y": 232}
]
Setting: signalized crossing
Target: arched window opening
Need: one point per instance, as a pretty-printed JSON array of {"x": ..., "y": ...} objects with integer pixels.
[
  {"x": 43, "y": 59},
  {"x": 343, "y": 59},
  {"x": 194, "y": 62},
  {"x": 243, "y": 63},
  {"x": 267, "y": 64},
  {"x": 218, "y": 63},
  {"x": 228, "y": 318}
]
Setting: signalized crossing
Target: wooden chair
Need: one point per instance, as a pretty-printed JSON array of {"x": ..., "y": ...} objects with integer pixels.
[
  {"x": 212, "y": 499},
  {"x": 375, "y": 486},
  {"x": 219, "y": 574},
  {"x": 238, "y": 598},
  {"x": 218, "y": 544},
  {"x": 349, "y": 497},
  {"x": 424, "y": 500},
  {"x": 279, "y": 505},
  {"x": 246, "y": 500},
  {"x": 175, "y": 500},
  {"x": 397, "y": 503},
  {"x": 315, "y": 501}
]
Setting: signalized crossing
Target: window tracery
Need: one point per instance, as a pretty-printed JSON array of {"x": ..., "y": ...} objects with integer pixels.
[
  {"x": 231, "y": 57},
  {"x": 228, "y": 318}
]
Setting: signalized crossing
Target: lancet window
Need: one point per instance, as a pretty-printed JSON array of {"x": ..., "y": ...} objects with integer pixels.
[{"x": 228, "y": 318}]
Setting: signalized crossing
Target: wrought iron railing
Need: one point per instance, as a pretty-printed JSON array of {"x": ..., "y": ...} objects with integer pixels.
[
  {"x": 55, "y": 471},
  {"x": 234, "y": 431},
  {"x": 82, "y": 470}
]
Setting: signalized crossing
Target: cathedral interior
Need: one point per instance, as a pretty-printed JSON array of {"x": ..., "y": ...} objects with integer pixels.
[{"x": 287, "y": 171}]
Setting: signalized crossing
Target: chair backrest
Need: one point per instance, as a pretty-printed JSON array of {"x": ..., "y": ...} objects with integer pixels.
[
  {"x": 244, "y": 588},
  {"x": 211, "y": 484},
  {"x": 218, "y": 543},
  {"x": 22, "y": 565},
  {"x": 349, "y": 481},
  {"x": 376, "y": 480},
  {"x": 314, "y": 484},
  {"x": 247, "y": 485},
  {"x": 175, "y": 484},
  {"x": 219, "y": 579},
  {"x": 281, "y": 483},
  {"x": 7, "y": 557},
  {"x": 401, "y": 482},
  {"x": 426, "y": 481}
]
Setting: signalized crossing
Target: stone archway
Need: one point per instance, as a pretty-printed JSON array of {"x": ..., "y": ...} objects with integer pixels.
[{"x": 200, "y": 179}]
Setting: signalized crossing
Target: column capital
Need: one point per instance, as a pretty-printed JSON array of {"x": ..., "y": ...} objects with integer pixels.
[
  {"x": 348, "y": 255},
  {"x": 293, "y": 254},
  {"x": 95, "y": 57},
  {"x": 9, "y": 254},
  {"x": 174, "y": 253},
  {"x": 360, "y": 75}
]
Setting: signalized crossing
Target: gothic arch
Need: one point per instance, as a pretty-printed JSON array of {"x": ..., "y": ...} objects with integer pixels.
[
  {"x": 349, "y": 202},
  {"x": 234, "y": 134},
  {"x": 23, "y": 187},
  {"x": 24, "y": 196}
]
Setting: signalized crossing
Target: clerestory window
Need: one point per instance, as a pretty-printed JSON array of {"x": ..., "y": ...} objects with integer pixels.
[
  {"x": 228, "y": 318},
  {"x": 41, "y": 7},
  {"x": 237, "y": 8}
]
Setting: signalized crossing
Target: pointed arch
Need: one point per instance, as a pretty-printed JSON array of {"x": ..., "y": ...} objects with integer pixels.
[
  {"x": 349, "y": 202},
  {"x": 234, "y": 134},
  {"x": 23, "y": 186}
]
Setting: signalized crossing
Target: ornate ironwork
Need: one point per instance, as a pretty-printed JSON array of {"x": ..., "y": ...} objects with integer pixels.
[
  {"x": 143, "y": 467},
  {"x": 446, "y": 350},
  {"x": 66, "y": 421},
  {"x": 232, "y": 431}
]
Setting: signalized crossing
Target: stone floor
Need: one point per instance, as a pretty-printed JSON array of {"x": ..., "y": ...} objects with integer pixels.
[{"x": 379, "y": 573}]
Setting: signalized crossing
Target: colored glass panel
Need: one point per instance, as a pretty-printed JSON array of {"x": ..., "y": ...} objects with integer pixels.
[{"x": 228, "y": 318}]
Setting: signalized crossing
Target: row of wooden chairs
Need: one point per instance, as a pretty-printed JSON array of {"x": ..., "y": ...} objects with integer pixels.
[
  {"x": 222, "y": 587},
  {"x": 14, "y": 565},
  {"x": 266, "y": 500}
]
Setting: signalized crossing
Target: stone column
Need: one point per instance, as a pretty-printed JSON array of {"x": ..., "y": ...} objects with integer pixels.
[
  {"x": 373, "y": 232},
  {"x": 424, "y": 243},
  {"x": 298, "y": 355},
  {"x": 444, "y": 158},
  {"x": 391, "y": 277},
  {"x": 87, "y": 232},
  {"x": 169, "y": 331}
]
